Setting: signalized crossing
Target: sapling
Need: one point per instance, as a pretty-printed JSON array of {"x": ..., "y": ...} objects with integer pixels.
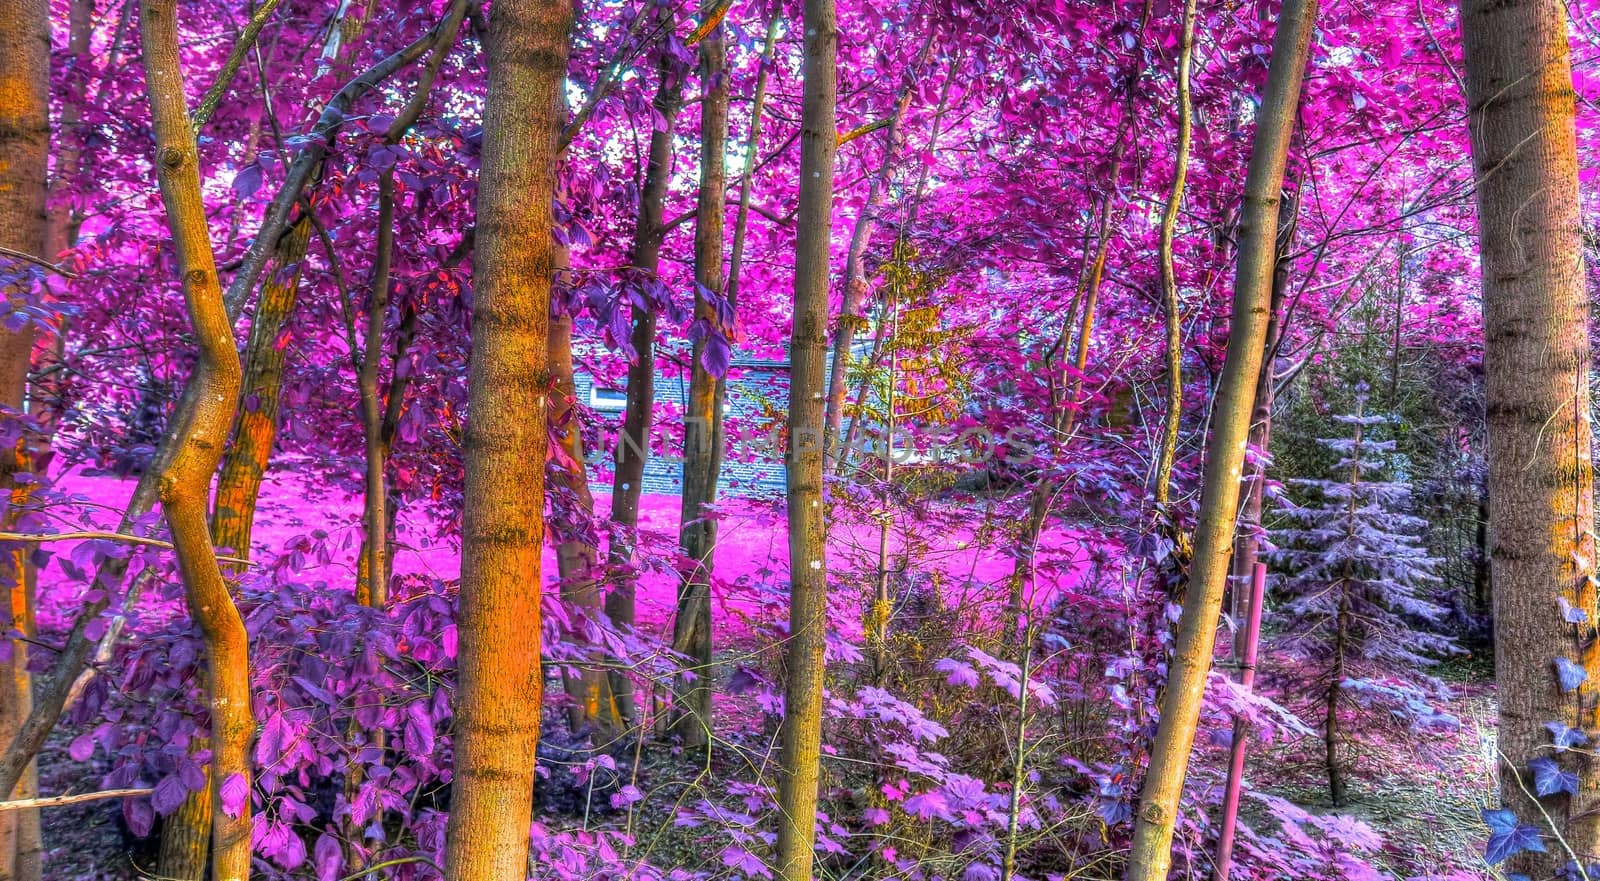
[{"x": 1358, "y": 582}]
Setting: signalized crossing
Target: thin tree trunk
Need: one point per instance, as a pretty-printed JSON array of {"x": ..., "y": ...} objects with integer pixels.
[
  {"x": 500, "y": 686},
  {"x": 1151, "y": 854},
  {"x": 1064, "y": 406},
  {"x": 902, "y": 235},
  {"x": 577, "y": 559},
  {"x": 1171, "y": 306},
  {"x": 377, "y": 556},
  {"x": 1247, "y": 537},
  {"x": 24, "y": 148},
  {"x": 372, "y": 585},
  {"x": 1330, "y": 727},
  {"x": 186, "y": 483},
  {"x": 800, "y": 763},
  {"x": 1536, "y": 364},
  {"x": 1341, "y": 641},
  {"x": 633, "y": 444},
  {"x": 702, "y": 459},
  {"x": 855, "y": 267},
  {"x": 255, "y": 427}
]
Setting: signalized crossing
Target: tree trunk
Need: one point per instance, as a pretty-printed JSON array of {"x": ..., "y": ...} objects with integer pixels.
[
  {"x": 255, "y": 427},
  {"x": 1151, "y": 854},
  {"x": 1536, "y": 364},
  {"x": 577, "y": 559},
  {"x": 633, "y": 444},
  {"x": 500, "y": 685},
  {"x": 24, "y": 147},
  {"x": 800, "y": 763},
  {"x": 702, "y": 458},
  {"x": 855, "y": 269},
  {"x": 1247, "y": 538},
  {"x": 1330, "y": 725},
  {"x": 372, "y": 585},
  {"x": 186, "y": 483},
  {"x": 1171, "y": 305}
]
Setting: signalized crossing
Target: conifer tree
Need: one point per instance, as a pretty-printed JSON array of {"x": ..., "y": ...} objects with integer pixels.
[{"x": 1359, "y": 582}]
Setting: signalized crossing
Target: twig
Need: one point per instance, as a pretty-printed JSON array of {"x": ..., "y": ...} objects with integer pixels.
[
  {"x": 56, "y": 801},
  {"x": 37, "y": 261},
  {"x": 38, "y": 538}
]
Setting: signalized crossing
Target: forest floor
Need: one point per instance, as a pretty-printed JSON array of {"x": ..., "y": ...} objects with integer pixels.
[{"x": 1425, "y": 803}]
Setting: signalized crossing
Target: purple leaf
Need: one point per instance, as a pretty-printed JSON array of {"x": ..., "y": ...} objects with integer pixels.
[
  {"x": 1549, "y": 779},
  {"x": 328, "y": 856},
  {"x": 717, "y": 355},
  {"x": 139, "y": 815},
  {"x": 168, "y": 795},
  {"x": 1565, "y": 737},
  {"x": 1508, "y": 837},
  {"x": 247, "y": 181},
  {"x": 234, "y": 791},
  {"x": 1571, "y": 675},
  {"x": 82, "y": 747}
]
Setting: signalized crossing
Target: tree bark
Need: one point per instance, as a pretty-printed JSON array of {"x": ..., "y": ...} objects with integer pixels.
[
  {"x": 1536, "y": 363},
  {"x": 186, "y": 483},
  {"x": 1171, "y": 305},
  {"x": 24, "y": 148},
  {"x": 1151, "y": 854},
  {"x": 633, "y": 444},
  {"x": 702, "y": 457},
  {"x": 255, "y": 427},
  {"x": 66, "y": 675},
  {"x": 800, "y": 763},
  {"x": 500, "y": 685},
  {"x": 855, "y": 268},
  {"x": 1247, "y": 537},
  {"x": 577, "y": 559}
]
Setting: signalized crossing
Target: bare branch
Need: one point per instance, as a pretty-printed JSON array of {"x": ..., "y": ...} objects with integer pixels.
[{"x": 56, "y": 801}]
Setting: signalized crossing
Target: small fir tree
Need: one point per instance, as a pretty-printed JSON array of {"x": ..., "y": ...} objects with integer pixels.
[{"x": 1359, "y": 585}]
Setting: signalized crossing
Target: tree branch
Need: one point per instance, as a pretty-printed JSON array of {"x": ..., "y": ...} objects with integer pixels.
[{"x": 56, "y": 801}]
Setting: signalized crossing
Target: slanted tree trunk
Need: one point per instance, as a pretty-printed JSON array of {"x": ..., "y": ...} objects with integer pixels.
[
  {"x": 800, "y": 763},
  {"x": 1247, "y": 538},
  {"x": 1536, "y": 363},
  {"x": 24, "y": 146},
  {"x": 855, "y": 267},
  {"x": 702, "y": 456},
  {"x": 500, "y": 685},
  {"x": 633, "y": 444},
  {"x": 1151, "y": 854},
  {"x": 185, "y": 484},
  {"x": 255, "y": 427}
]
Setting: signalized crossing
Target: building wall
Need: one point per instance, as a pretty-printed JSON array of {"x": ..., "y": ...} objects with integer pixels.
[{"x": 758, "y": 392}]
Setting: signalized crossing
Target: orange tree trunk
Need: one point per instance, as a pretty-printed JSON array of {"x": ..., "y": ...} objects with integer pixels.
[
  {"x": 1537, "y": 362},
  {"x": 1151, "y": 856},
  {"x": 702, "y": 457},
  {"x": 255, "y": 427},
  {"x": 500, "y": 686},
  {"x": 24, "y": 143},
  {"x": 800, "y": 763},
  {"x": 185, "y": 484}
]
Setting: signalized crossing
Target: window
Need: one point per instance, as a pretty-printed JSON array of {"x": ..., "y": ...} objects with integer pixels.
[{"x": 608, "y": 399}]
